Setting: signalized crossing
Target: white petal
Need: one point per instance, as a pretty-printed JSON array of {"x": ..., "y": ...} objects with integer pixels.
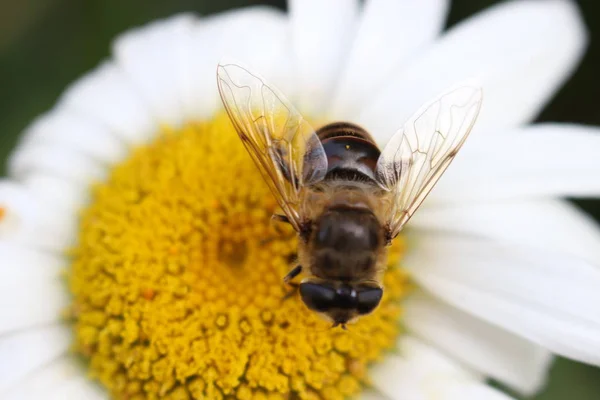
[
  {"x": 554, "y": 224},
  {"x": 541, "y": 160},
  {"x": 322, "y": 33},
  {"x": 257, "y": 37},
  {"x": 22, "y": 353},
  {"x": 486, "y": 348},
  {"x": 154, "y": 57},
  {"x": 107, "y": 96},
  {"x": 38, "y": 384},
  {"x": 370, "y": 395},
  {"x": 27, "y": 220},
  {"x": 55, "y": 191},
  {"x": 32, "y": 289},
  {"x": 76, "y": 133},
  {"x": 78, "y": 388},
  {"x": 422, "y": 373},
  {"x": 56, "y": 160},
  {"x": 468, "y": 391},
  {"x": 180, "y": 42},
  {"x": 425, "y": 358},
  {"x": 521, "y": 50},
  {"x": 62, "y": 379},
  {"x": 22, "y": 263},
  {"x": 390, "y": 33},
  {"x": 546, "y": 297}
]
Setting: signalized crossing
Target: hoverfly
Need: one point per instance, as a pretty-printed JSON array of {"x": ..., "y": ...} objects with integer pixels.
[{"x": 346, "y": 199}]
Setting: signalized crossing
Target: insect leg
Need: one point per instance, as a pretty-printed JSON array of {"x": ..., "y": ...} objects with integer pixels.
[
  {"x": 292, "y": 274},
  {"x": 336, "y": 324},
  {"x": 292, "y": 291},
  {"x": 280, "y": 218}
]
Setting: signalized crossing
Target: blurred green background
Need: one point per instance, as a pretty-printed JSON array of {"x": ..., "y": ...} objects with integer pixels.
[{"x": 46, "y": 44}]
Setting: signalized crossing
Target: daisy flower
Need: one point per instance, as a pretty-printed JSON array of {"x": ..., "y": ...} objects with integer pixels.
[{"x": 139, "y": 262}]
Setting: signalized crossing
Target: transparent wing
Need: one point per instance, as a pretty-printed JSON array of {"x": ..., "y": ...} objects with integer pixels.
[
  {"x": 419, "y": 153},
  {"x": 283, "y": 145}
]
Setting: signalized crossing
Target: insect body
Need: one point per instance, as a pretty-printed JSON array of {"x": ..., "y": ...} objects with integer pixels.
[{"x": 346, "y": 199}]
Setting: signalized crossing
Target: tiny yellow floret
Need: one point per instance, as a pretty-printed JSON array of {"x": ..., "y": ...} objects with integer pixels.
[{"x": 177, "y": 284}]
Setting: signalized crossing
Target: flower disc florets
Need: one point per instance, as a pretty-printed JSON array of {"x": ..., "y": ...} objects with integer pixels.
[{"x": 177, "y": 283}]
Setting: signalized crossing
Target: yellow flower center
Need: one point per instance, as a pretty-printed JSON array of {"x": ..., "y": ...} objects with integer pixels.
[{"x": 177, "y": 283}]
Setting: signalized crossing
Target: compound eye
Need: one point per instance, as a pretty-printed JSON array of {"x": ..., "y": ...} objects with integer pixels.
[
  {"x": 317, "y": 297},
  {"x": 368, "y": 299}
]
